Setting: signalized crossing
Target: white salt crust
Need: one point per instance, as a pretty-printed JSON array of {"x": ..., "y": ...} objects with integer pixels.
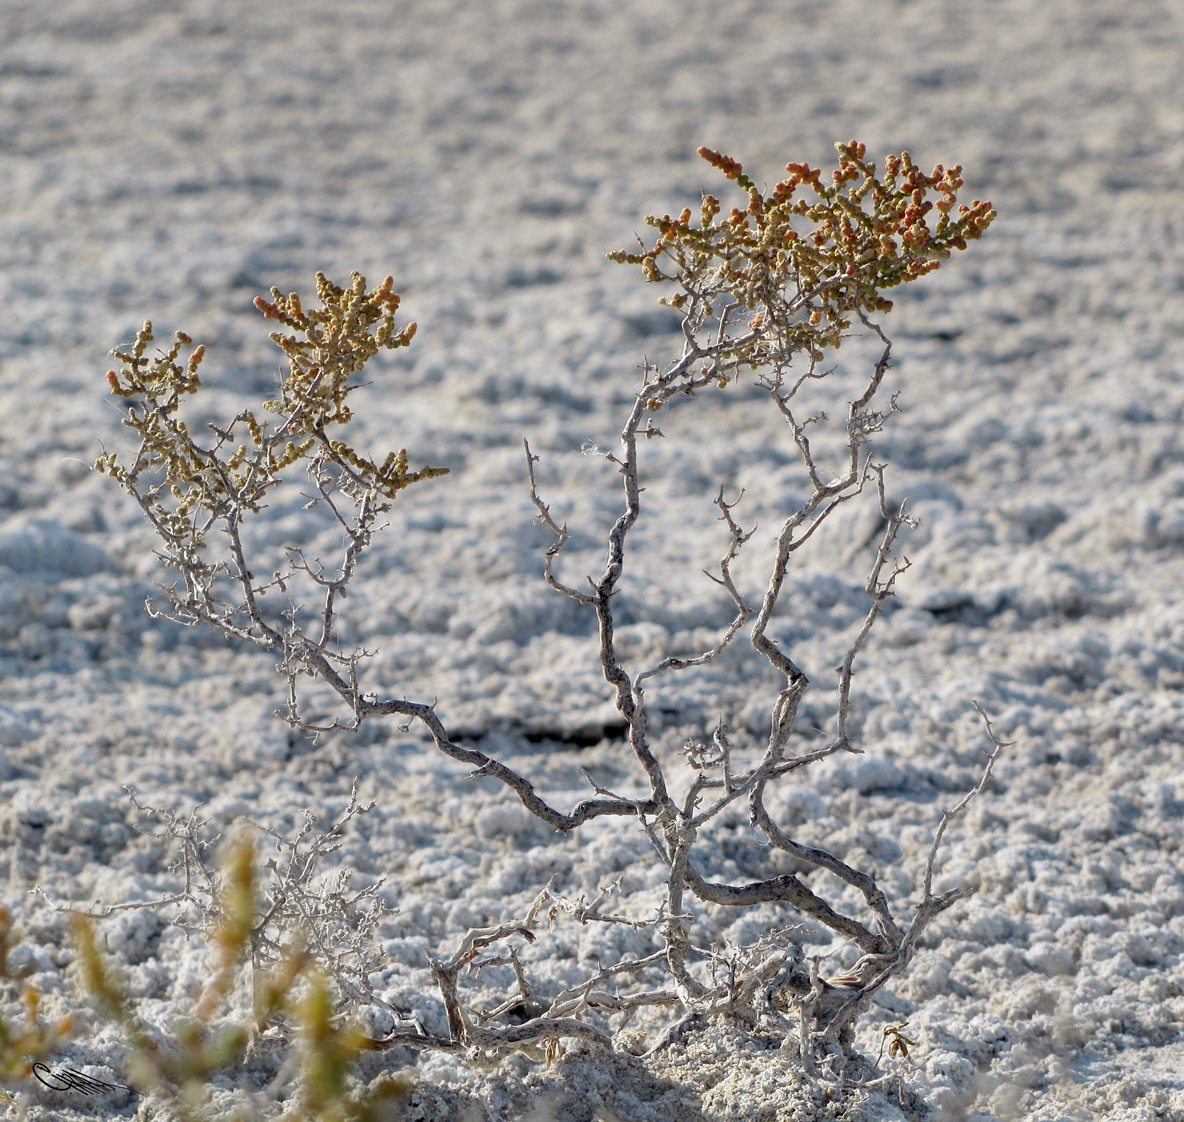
[{"x": 174, "y": 160}]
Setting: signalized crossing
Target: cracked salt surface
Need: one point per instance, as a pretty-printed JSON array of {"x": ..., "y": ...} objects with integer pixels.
[{"x": 175, "y": 160}]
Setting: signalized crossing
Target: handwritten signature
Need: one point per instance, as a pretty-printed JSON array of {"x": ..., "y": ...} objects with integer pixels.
[{"x": 67, "y": 1079}]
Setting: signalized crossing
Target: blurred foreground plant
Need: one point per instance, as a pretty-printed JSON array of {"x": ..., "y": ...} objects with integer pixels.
[
  {"x": 764, "y": 292},
  {"x": 175, "y": 1069},
  {"x": 34, "y": 1041}
]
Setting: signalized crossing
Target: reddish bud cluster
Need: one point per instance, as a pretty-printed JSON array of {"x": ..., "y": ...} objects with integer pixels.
[
  {"x": 811, "y": 263},
  {"x": 727, "y": 165}
]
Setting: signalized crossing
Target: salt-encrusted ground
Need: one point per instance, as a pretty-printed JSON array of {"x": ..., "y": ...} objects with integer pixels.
[{"x": 175, "y": 159}]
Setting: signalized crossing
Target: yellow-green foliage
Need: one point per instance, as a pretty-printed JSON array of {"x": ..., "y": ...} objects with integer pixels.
[
  {"x": 185, "y": 488},
  {"x": 800, "y": 267},
  {"x": 294, "y": 992},
  {"x": 199, "y": 1047},
  {"x": 327, "y": 1051},
  {"x": 21, "y": 1046}
]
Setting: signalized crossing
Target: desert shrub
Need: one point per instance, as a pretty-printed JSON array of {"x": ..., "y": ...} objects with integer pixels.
[{"x": 765, "y": 292}]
